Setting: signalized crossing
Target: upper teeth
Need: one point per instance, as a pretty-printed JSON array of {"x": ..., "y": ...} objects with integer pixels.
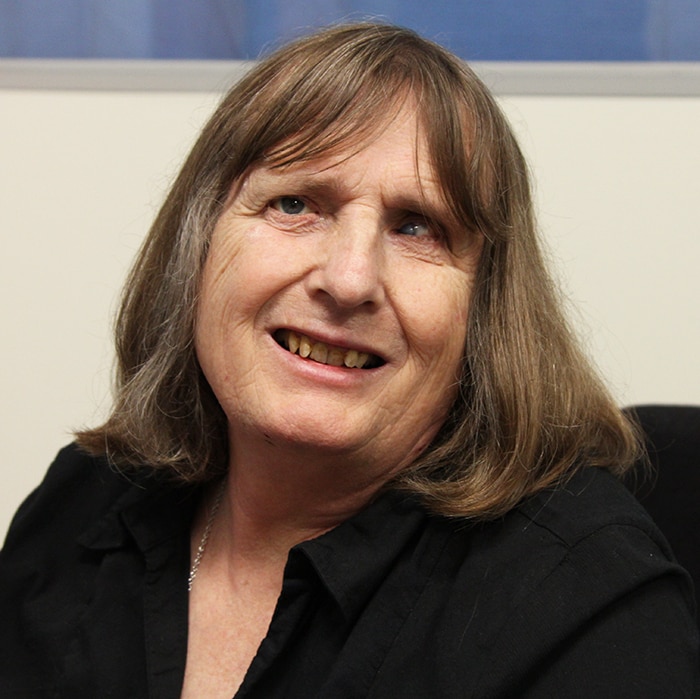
[{"x": 321, "y": 352}]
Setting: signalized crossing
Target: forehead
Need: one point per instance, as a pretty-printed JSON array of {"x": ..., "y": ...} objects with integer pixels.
[{"x": 393, "y": 156}]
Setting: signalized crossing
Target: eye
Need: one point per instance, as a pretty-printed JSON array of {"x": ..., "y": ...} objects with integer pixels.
[
  {"x": 290, "y": 205},
  {"x": 416, "y": 229}
]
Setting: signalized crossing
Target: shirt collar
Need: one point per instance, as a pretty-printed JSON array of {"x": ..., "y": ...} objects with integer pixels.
[
  {"x": 147, "y": 511},
  {"x": 353, "y": 559}
]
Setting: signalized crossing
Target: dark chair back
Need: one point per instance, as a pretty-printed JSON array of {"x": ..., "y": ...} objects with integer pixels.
[{"x": 670, "y": 491}]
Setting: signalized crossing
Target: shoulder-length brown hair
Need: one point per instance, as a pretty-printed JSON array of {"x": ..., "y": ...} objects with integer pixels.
[{"x": 529, "y": 408}]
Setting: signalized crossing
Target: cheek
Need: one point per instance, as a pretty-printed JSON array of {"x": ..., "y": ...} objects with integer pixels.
[
  {"x": 250, "y": 262},
  {"x": 436, "y": 318},
  {"x": 235, "y": 282},
  {"x": 221, "y": 302}
]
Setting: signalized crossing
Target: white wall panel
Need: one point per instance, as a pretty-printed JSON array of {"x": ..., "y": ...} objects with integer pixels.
[{"x": 82, "y": 174}]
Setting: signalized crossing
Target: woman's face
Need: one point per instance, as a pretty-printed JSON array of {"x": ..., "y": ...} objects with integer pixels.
[{"x": 332, "y": 314}]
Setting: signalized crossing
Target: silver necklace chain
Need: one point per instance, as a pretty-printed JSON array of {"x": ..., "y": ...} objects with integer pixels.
[{"x": 205, "y": 536}]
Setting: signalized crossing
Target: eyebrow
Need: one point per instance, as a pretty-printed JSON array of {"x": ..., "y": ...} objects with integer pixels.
[
  {"x": 304, "y": 181},
  {"x": 299, "y": 181}
]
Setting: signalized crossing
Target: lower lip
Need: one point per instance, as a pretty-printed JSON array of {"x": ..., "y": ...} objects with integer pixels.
[{"x": 336, "y": 376}]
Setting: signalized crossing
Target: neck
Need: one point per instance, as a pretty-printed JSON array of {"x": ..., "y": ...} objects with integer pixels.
[{"x": 283, "y": 496}]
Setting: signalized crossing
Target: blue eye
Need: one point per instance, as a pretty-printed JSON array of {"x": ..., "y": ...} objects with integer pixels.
[
  {"x": 414, "y": 228},
  {"x": 290, "y": 205}
]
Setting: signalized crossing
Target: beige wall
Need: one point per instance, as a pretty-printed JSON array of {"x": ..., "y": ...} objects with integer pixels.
[{"x": 82, "y": 173}]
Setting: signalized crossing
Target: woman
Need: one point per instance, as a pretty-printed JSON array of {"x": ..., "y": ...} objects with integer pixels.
[{"x": 351, "y": 421}]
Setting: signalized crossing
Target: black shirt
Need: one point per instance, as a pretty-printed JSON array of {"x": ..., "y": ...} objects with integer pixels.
[{"x": 572, "y": 594}]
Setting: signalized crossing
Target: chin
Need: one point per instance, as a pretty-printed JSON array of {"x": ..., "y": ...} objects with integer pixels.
[{"x": 315, "y": 434}]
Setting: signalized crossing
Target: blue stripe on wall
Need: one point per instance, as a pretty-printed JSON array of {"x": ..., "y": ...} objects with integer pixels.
[{"x": 502, "y": 30}]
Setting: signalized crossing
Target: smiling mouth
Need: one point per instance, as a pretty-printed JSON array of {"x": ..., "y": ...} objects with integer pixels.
[{"x": 320, "y": 352}]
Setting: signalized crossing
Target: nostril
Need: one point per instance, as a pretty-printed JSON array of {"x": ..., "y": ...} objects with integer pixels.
[{"x": 352, "y": 275}]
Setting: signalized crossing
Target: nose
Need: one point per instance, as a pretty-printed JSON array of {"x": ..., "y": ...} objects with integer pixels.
[{"x": 350, "y": 268}]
